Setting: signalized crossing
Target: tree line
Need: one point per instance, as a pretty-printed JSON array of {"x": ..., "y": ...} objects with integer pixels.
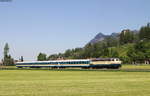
[{"x": 130, "y": 46}]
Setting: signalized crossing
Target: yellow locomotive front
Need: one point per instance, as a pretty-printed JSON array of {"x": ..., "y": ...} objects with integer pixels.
[{"x": 110, "y": 63}]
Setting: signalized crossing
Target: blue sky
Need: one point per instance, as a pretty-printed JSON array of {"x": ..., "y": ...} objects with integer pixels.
[{"x": 52, "y": 26}]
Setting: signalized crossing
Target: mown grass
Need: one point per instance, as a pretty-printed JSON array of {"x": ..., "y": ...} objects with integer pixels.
[
  {"x": 73, "y": 83},
  {"x": 139, "y": 66},
  {"x": 124, "y": 68}
]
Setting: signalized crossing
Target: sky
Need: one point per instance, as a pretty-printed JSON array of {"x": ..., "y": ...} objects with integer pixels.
[{"x": 52, "y": 26}]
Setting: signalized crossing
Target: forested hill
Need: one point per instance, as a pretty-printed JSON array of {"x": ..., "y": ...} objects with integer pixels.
[{"x": 131, "y": 46}]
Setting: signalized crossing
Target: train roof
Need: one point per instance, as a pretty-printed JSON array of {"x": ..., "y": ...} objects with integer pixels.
[
  {"x": 103, "y": 59},
  {"x": 71, "y": 60}
]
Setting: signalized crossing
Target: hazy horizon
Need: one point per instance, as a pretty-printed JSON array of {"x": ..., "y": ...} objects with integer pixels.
[{"x": 52, "y": 26}]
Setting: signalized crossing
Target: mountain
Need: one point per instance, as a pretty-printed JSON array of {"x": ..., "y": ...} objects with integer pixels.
[
  {"x": 97, "y": 38},
  {"x": 100, "y": 37}
]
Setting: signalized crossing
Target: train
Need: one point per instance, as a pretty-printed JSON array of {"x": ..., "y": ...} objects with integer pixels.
[{"x": 94, "y": 63}]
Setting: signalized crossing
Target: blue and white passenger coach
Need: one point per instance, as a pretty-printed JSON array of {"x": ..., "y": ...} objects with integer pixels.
[{"x": 55, "y": 63}]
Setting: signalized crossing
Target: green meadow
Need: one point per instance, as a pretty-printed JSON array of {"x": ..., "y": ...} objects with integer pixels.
[{"x": 74, "y": 83}]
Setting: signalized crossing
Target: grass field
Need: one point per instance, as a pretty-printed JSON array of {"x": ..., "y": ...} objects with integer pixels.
[
  {"x": 143, "y": 66},
  {"x": 73, "y": 83}
]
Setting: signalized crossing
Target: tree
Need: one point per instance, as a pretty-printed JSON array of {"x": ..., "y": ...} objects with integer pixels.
[
  {"x": 140, "y": 52},
  {"x": 113, "y": 53},
  {"x": 41, "y": 57},
  {"x": 111, "y": 41},
  {"x": 8, "y": 60},
  {"x": 145, "y": 32},
  {"x": 53, "y": 57},
  {"x": 68, "y": 53},
  {"x": 6, "y": 50},
  {"x": 132, "y": 54},
  {"x": 126, "y": 36}
]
